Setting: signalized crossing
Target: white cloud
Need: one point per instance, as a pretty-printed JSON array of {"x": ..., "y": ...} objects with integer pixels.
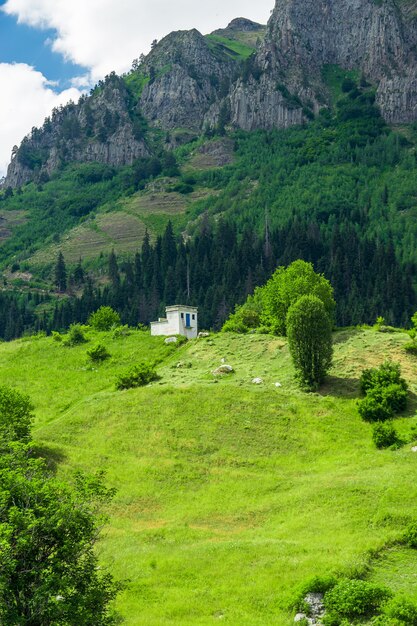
[
  {"x": 26, "y": 99},
  {"x": 104, "y": 35}
]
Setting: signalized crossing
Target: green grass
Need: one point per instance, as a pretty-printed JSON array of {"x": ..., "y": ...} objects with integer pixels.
[
  {"x": 230, "y": 47},
  {"x": 229, "y": 495},
  {"x": 333, "y": 76}
]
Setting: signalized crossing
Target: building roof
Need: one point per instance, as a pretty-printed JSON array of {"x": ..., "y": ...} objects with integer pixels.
[{"x": 175, "y": 307}]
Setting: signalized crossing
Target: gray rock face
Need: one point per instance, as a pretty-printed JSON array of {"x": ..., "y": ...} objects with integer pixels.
[
  {"x": 192, "y": 83},
  {"x": 378, "y": 39},
  {"x": 97, "y": 129},
  {"x": 188, "y": 76}
]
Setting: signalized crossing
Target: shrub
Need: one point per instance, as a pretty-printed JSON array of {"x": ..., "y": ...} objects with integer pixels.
[
  {"x": 121, "y": 331},
  {"x": 355, "y": 599},
  {"x": 245, "y": 317},
  {"x": 402, "y": 609},
  {"x": 137, "y": 376},
  {"x": 395, "y": 396},
  {"x": 56, "y": 336},
  {"x": 104, "y": 318},
  {"x": 15, "y": 414},
  {"x": 317, "y": 584},
  {"x": 410, "y": 535},
  {"x": 411, "y": 347},
  {"x": 75, "y": 335},
  {"x": 384, "y": 435},
  {"x": 98, "y": 353},
  {"x": 386, "y": 374},
  {"x": 371, "y": 409}
]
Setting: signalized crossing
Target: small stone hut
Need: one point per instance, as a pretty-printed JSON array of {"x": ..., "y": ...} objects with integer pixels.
[{"x": 180, "y": 320}]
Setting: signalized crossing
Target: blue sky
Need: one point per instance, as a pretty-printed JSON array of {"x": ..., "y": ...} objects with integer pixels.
[
  {"x": 24, "y": 44},
  {"x": 52, "y": 51}
]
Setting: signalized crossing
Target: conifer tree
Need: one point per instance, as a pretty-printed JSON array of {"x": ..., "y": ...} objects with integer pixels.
[{"x": 60, "y": 273}]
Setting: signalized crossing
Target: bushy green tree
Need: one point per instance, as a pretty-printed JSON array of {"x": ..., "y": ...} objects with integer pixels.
[
  {"x": 49, "y": 572},
  {"x": 246, "y": 316},
  {"x": 104, "y": 318},
  {"x": 286, "y": 286},
  {"x": 15, "y": 415},
  {"x": 309, "y": 332}
]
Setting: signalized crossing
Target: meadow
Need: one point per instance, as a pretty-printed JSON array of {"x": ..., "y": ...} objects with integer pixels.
[{"x": 229, "y": 494}]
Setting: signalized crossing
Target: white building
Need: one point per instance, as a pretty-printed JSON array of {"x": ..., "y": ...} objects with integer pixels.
[{"x": 179, "y": 320}]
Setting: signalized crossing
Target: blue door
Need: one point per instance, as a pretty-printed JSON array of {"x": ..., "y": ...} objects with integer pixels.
[{"x": 187, "y": 320}]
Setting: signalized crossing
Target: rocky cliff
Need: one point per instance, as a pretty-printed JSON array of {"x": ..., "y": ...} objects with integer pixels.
[
  {"x": 376, "y": 38},
  {"x": 246, "y": 75}
]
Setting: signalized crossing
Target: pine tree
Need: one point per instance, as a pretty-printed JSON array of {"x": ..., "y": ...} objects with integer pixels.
[{"x": 60, "y": 273}]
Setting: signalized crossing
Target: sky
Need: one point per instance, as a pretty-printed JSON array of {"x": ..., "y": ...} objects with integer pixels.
[{"x": 51, "y": 51}]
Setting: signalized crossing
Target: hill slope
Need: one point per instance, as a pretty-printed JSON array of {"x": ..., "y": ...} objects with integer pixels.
[{"x": 229, "y": 494}]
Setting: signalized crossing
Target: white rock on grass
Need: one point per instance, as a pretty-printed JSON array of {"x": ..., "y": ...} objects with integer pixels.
[
  {"x": 171, "y": 340},
  {"x": 300, "y": 617},
  {"x": 414, "y": 449},
  {"x": 223, "y": 369},
  {"x": 257, "y": 381},
  {"x": 277, "y": 385}
]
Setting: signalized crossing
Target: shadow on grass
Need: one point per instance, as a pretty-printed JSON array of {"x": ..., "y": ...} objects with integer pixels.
[
  {"x": 340, "y": 387},
  {"x": 343, "y": 335},
  {"x": 411, "y": 410},
  {"x": 52, "y": 456}
]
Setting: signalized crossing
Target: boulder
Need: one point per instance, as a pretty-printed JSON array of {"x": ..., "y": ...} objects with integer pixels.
[
  {"x": 169, "y": 340},
  {"x": 223, "y": 369},
  {"x": 257, "y": 381}
]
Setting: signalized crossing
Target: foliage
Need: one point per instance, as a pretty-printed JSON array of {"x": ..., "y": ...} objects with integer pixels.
[
  {"x": 310, "y": 340},
  {"x": 384, "y": 435},
  {"x": 16, "y": 415},
  {"x": 355, "y": 599},
  {"x": 286, "y": 286},
  {"x": 75, "y": 335},
  {"x": 98, "y": 353},
  {"x": 60, "y": 273},
  {"x": 402, "y": 609},
  {"x": 246, "y": 317},
  {"x": 373, "y": 409},
  {"x": 386, "y": 374},
  {"x": 104, "y": 318},
  {"x": 137, "y": 376},
  {"x": 410, "y": 536},
  {"x": 49, "y": 572}
]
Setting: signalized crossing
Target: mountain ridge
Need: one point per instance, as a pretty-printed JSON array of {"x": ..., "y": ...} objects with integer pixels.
[{"x": 190, "y": 83}]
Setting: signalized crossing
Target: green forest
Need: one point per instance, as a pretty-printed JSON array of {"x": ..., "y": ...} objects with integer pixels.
[{"x": 340, "y": 192}]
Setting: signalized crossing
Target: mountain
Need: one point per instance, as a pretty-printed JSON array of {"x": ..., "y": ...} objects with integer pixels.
[{"x": 246, "y": 75}]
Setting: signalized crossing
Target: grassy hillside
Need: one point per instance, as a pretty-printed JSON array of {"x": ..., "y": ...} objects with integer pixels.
[{"x": 229, "y": 494}]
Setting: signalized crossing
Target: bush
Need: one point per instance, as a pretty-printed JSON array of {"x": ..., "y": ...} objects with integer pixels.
[
  {"x": 104, "y": 318},
  {"x": 56, "y": 336},
  {"x": 388, "y": 373},
  {"x": 98, "y": 353},
  {"x": 75, "y": 335},
  {"x": 411, "y": 348},
  {"x": 402, "y": 609},
  {"x": 410, "y": 535},
  {"x": 372, "y": 409},
  {"x": 317, "y": 584},
  {"x": 384, "y": 435},
  {"x": 137, "y": 376},
  {"x": 355, "y": 599},
  {"x": 395, "y": 396},
  {"x": 15, "y": 415},
  {"x": 245, "y": 317}
]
